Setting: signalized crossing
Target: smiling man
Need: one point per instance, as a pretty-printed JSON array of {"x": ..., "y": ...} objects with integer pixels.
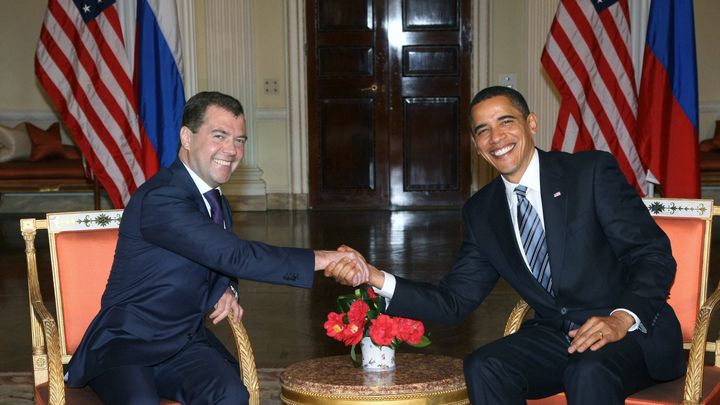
[
  {"x": 177, "y": 260},
  {"x": 574, "y": 239}
]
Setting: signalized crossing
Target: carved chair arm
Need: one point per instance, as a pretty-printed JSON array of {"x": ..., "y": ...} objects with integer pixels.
[
  {"x": 696, "y": 359},
  {"x": 247, "y": 360},
  {"x": 516, "y": 317},
  {"x": 52, "y": 351}
]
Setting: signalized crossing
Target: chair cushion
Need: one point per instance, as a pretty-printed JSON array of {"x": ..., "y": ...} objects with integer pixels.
[
  {"x": 14, "y": 143},
  {"x": 46, "y": 169},
  {"x": 76, "y": 396},
  {"x": 46, "y": 144},
  {"x": 672, "y": 392},
  {"x": 666, "y": 393}
]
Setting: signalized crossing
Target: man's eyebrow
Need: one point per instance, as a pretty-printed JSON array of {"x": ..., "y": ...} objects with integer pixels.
[{"x": 479, "y": 127}]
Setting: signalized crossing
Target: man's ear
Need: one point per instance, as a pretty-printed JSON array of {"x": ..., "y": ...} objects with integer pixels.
[
  {"x": 185, "y": 137},
  {"x": 532, "y": 122}
]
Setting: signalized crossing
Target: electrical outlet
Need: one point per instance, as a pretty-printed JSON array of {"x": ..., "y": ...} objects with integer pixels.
[
  {"x": 508, "y": 80},
  {"x": 272, "y": 87}
]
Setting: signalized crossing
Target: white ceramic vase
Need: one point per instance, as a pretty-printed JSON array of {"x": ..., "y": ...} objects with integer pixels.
[{"x": 376, "y": 358}]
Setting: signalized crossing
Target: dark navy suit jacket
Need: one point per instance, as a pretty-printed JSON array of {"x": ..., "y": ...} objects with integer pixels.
[
  {"x": 172, "y": 264},
  {"x": 606, "y": 252}
]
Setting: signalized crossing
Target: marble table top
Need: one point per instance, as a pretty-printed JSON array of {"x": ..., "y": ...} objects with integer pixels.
[{"x": 413, "y": 373}]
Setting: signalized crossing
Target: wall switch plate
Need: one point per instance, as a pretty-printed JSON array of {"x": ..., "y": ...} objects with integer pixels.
[
  {"x": 508, "y": 80},
  {"x": 271, "y": 86}
]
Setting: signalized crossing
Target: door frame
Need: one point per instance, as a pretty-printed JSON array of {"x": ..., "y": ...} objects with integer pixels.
[{"x": 296, "y": 35}]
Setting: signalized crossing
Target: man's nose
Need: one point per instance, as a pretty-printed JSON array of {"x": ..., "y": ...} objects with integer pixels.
[{"x": 228, "y": 146}]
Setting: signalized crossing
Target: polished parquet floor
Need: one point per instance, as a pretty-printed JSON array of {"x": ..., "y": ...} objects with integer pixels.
[{"x": 286, "y": 324}]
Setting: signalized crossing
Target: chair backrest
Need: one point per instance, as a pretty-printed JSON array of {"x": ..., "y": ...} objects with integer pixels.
[
  {"x": 82, "y": 248},
  {"x": 688, "y": 224}
]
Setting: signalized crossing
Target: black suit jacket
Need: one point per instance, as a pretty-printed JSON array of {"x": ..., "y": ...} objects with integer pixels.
[
  {"x": 606, "y": 252},
  {"x": 172, "y": 264}
]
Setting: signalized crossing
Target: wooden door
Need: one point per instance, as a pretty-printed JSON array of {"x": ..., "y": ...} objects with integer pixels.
[{"x": 388, "y": 90}]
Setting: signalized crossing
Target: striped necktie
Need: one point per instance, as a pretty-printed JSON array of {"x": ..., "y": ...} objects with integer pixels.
[{"x": 532, "y": 236}]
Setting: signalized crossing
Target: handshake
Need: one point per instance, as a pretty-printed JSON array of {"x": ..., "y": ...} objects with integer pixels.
[{"x": 348, "y": 267}]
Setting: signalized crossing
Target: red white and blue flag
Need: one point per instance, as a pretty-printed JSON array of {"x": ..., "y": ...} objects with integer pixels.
[
  {"x": 104, "y": 98},
  {"x": 668, "y": 106},
  {"x": 587, "y": 56}
]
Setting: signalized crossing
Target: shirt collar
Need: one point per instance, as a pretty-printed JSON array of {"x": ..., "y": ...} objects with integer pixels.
[
  {"x": 199, "y": 183},
  {"x": 530, "y": 179}
]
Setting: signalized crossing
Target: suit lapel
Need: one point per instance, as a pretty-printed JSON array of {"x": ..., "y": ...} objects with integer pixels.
[
  {"x": 502, "y": 225},
  {"x": 554, "y": 201}
]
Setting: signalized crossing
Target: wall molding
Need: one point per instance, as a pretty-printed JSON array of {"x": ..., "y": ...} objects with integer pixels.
[
  {"x": 34, "y": 116},
  {"x": 271, "y": 114},
  {"x": 709, "y": 107}
]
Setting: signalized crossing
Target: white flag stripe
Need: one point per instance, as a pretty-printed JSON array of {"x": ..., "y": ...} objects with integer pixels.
[{"x": 166, "y": 16}]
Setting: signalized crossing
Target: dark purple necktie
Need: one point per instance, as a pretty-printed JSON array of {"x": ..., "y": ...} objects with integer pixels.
[{"x": 216, "y": 212}]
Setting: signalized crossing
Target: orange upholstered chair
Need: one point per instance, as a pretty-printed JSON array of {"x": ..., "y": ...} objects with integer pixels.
[
  {"x": 82, "y": 248},
  {"x": 688, "y": 224}
]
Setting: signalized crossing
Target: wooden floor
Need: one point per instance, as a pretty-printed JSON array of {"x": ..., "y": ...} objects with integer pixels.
[{"x": 286, "y": 324}]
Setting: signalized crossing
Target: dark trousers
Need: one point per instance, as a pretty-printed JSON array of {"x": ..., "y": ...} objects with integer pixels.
[
  {"x": 198, "y": 374},
  {"x": 534, "y": 363}
]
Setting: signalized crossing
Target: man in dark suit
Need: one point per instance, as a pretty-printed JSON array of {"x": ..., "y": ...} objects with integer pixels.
[
  {"x": 177, "y": 259},
  {"x": 576, "y": 242}
]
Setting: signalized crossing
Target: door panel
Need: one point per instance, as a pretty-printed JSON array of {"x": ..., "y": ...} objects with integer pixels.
[
  {"x": 347, "y": 126},
  {"x": 388, "y": 89},
  {"x": 431, "y": 145}
]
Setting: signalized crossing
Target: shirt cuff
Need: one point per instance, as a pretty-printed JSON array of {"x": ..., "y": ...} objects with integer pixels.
[
  {"x": 635, "y": 326},
  {"x": 388, "y": 289}
]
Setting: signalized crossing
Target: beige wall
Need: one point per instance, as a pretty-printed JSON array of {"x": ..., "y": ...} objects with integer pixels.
[
  {"x": 20, "y": 23},
  {"x": 707, "y": 38}
]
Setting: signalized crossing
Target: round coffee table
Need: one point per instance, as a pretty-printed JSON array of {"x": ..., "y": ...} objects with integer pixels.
[{"x": 417, "y": 379}]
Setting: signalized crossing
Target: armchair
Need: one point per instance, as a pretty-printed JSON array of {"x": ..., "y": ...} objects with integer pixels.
[
  {"x": 82, "y": 247},
  {"x": 688, "y": 224}
]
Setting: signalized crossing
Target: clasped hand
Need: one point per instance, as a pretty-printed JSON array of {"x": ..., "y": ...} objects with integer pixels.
[{"x": 345, "y": 265}]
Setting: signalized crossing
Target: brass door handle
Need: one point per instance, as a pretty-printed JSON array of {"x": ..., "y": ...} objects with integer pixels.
[{"x": 372, "y": 88}]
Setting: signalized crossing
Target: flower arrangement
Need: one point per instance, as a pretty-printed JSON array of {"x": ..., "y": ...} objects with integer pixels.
[{"x": 360, "y": 314}]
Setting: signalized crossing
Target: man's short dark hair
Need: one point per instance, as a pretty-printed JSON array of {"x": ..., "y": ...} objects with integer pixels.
[
  {"x": 516, "y": 99},
  {"x": 195, "y": 107}
]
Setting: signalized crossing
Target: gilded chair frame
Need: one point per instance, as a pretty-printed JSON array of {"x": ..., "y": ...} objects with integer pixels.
[
  {"x": 49, "y": 348},
  {"x": 676, "y": 208}
]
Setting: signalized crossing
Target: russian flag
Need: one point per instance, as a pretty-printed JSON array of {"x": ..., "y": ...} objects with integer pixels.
[
  {"x": 158, "y": 81},
  {"x": 668, "y": 100}
]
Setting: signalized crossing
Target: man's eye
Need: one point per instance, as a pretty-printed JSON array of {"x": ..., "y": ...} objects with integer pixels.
[{"x": 241, "y": 141}]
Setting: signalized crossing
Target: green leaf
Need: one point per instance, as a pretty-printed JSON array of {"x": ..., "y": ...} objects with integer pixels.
[
  {"x": 422, "y": 343},
  {"x": 353, "y": 356}
]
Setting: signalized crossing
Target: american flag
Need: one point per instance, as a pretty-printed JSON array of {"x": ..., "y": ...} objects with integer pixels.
[
  {"x": 82, "y": 63},
  {"x": 587, "y": 56}
]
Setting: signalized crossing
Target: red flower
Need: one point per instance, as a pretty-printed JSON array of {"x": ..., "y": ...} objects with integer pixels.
[
  {"x": 335, "y": 326},
  {"x": 353, "y": 333},
  {"x": 383, "y": 330},
  {"x": 410, "y": 330},
  {"x": 371, "y": 293},
  {"x": 358, "y": 311}
]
